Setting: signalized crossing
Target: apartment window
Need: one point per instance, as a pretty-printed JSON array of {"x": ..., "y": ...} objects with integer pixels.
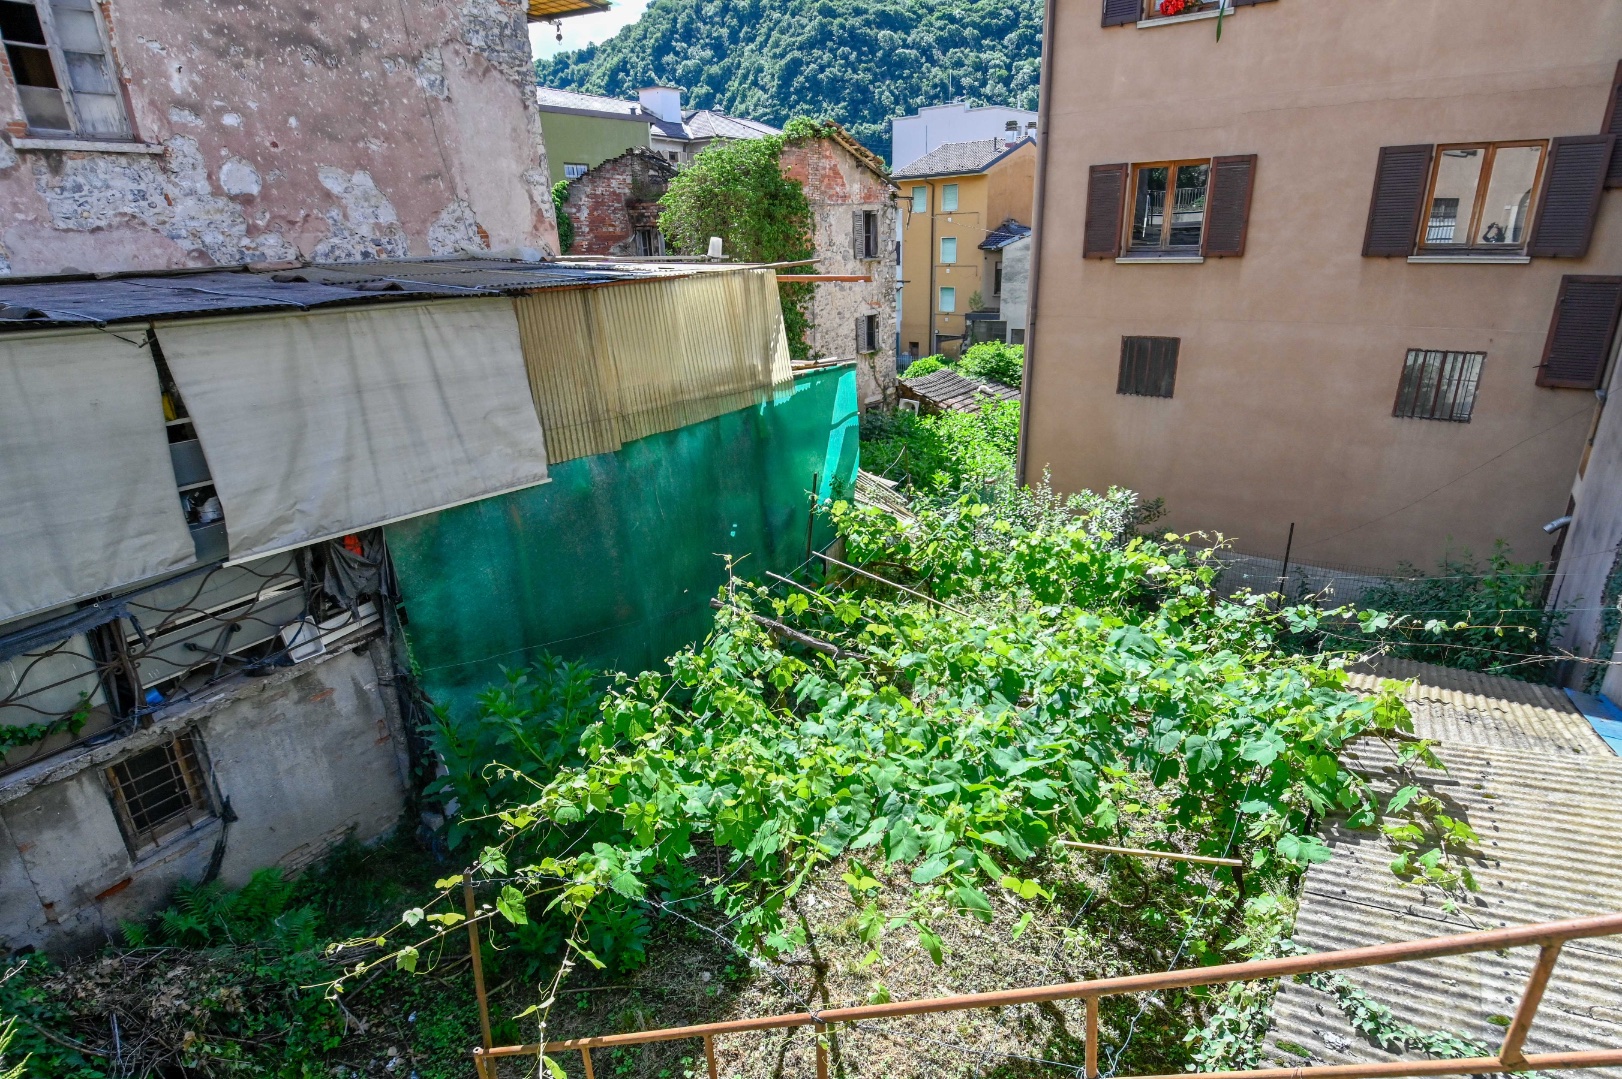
[
  {"x": 650, "y": 242},
  {"x": 1168, "y": 206},
  {"x": 48, "y": 39},
  {"x": 996, "y": 278},
  {"x": 948, "y": 249},
  {"x": 948, "y": 302},
  {"x": 573, "y": 170},
  {"x": 1481, "y": 196},
  {"x": 867, "y": 333},
  {"x": 158, "y": 792},
  {"x": 1438, "y": 385},
  {"x": 1148, "y": 366},
  {"x": 948, "y": 198},
  {"x": 920, "y": 199},
  {"x": 912, "y": 348},
  {"x": 867, "y": 234}
]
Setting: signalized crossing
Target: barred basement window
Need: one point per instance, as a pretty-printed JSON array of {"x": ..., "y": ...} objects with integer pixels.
[
  {"x": 1438, "y": 385},
  {"x": 158, "y": 792},
  {"x": 1148, "y": 366}
]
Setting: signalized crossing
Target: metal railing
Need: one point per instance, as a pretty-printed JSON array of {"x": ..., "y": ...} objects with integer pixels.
[{"x": 1548, "y": 936}]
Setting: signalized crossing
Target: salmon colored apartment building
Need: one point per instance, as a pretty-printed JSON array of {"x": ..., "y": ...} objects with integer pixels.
[{"x": 1351, "y": 267}]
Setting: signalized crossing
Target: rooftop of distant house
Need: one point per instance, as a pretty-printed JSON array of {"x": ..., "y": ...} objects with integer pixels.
[
  {"x": 1004, "y": 234},
  {"x": 694, "y": 123},
  {"x": 960, "y": 158},
  {"x": 567, "y": 101}
]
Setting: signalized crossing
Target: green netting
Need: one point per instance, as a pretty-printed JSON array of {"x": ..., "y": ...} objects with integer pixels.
[{"x": 615, "y": 561}]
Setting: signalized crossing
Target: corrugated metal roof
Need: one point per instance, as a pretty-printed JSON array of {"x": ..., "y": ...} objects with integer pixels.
[
  {"x": 1545, "y": 795},
  {"x": 42, "y": 303},
  {"x": 950, "y": 390}
]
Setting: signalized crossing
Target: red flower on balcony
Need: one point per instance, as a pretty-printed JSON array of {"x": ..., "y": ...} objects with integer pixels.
[{"x": 1171, "y": 7}]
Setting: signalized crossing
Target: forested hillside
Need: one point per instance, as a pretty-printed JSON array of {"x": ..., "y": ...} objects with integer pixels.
[{"x": 859, "y": 62}]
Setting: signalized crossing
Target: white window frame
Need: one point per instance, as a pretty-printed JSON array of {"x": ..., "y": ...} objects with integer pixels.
[
  {"x": 64, "y": 83},
  {"x": 920, "y": 199},
  {"x": 947, "y": 299},
  {"x": 945, "y": 240},
  {"x": 573, "y": 170},
  {"x": 948, "y": 198}
]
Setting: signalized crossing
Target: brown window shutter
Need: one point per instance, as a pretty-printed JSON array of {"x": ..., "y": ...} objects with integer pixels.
[
  {"x": 1613, "y": 126},
  {"x": 1400, "y": 182},
  {"x": 1106, "y": 201},
  {"x": 1227, "y": 206},
  {"x": 1581, "y": 332},
  {"x": 859, "y": 244},
  {"x": 1572, "y": 182},
  {"x": 1122, "y": 12}
]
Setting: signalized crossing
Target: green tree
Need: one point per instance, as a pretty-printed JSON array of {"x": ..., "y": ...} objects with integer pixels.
[
  {"x": 560, "y": 195},
  {"x": 737, "y": 191}
]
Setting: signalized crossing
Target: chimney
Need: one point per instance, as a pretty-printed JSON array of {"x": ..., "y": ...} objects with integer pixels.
[
  {"x": 663, "y": 102},
  {"x": 1013, "y": 126}
]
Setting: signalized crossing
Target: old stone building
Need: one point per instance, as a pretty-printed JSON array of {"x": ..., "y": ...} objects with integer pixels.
[
  {"x": 149, "y": 135},
  {"x": 615, "y": 206},
  {"x": 853, "y": 203}
]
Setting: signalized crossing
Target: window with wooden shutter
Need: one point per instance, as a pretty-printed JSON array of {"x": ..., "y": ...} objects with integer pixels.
[
  {"x": 1572, "y": 184},
  {"x": 858, "y": 231},
  {"x": 1581, "y": 332},
  {"x": 1148, "y": 366},
  {"x": 1400, "y": 182},
  {"x": 1613, "y": 126},
  {"x": 1122, "y": 12},
  {"x": 1227, "y": 207},
  {"x": 1106, "y": 200}
]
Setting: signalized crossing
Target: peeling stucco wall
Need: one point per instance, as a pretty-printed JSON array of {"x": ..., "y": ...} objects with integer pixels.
[
  {"x": 353, "y": 130},
  {"x": 839, "y": 186}
]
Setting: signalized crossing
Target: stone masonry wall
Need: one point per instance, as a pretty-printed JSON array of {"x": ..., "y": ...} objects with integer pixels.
[
  {"x": 349, "y": 130},
  {"x": 610, "y": 202},
  {"x": 839, "y": 185}
]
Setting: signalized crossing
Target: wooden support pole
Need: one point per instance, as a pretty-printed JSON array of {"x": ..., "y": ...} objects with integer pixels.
[
  {"x": 478, "y": 959},
  {"x": 585, "y": 1058},
  {"x": 1092, "y": 1038},
  {"x": 1139, "y": 852},
  {"x": 810, "y": 278},
  {"x": 709, "y": 1056},
  {"x": 821, "y": 1032}
]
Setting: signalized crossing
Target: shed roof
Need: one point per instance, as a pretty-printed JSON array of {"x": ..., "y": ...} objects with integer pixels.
[
  {"x": 950, "y": 390},
  {"x": 1004, "y": 234},
  {"x": 89, "y": 300},
  {"x": 960, "y": 158}
]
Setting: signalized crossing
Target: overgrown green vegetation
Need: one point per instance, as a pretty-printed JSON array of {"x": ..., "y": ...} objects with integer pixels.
[
  {"x": 736, "y": 190},
  {"x": 857, "y": 63},
  {"x": 560, "y": 195},
  {"x": 944, "y": 452},
  {"x": 988, "y": 360}
]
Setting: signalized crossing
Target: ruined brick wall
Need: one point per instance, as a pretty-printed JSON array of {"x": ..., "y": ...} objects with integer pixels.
[
  {"x": 839, "y": 186},
  {"x": 347, "y": 130},
  {"x": 610, "y": 202}
]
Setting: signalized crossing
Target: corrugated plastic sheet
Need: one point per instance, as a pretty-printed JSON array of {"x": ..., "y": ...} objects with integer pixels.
[
  {"x": 1545, "y": 795},
  {"x": 608, "y": 366},
  {"x": 615, "y": 561}
]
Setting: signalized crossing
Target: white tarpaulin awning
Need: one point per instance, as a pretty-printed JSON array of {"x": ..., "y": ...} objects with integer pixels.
[
  {"x": 316, "y": 425},
  {"x": 89, "y": 490}
]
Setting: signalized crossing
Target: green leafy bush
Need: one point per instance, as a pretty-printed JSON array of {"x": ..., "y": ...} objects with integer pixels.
[
  {"x": 1476, "y": 617},
  {"x": 926, "y": 365},
  {"x": 947, "y": 451},
  {"x": 560, "y": 196},
  {"x": 994, "y": 360}
]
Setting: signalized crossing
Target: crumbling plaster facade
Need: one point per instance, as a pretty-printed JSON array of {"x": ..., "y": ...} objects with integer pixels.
[
  {"x": 613, "y": 200},
  {"x": 264, "y": 132},
  {"x": 295, "y": 762},
  {"x": 840, "y": 185}
]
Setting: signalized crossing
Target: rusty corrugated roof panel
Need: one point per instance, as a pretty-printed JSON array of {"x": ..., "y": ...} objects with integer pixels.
[{"x": 1545, "y": 795}]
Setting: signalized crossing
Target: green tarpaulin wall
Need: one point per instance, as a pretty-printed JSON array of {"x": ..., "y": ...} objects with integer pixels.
[{"x": 616, "y": 559}]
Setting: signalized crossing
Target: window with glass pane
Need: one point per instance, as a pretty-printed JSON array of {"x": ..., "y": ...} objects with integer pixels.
[
  {"x": 948, "y": 197},
  {"x": 948, "y": 300},
  {"x": 1179, "y": 226},
  {"x": 1481, "y": 196},
  {"x": 948, "y": 249},
  {"x": 1438, "y": 385},
  {"x": 60, "y": 63},
  {"x": 920, "y": 200}
]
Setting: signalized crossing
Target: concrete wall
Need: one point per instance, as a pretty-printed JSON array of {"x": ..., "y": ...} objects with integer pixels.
[
  {"x": 1291, "y": 355},
  {"x": 588, "y": 140},
  {"x": 839, "y": 186},
  {"x": 911, "y": 137},
  {"x": 304, "y": 757},
  {"x": 612, "y": 201},
  {"x": 1016, "y": 283},
  {"x": 357, "y": 129}
]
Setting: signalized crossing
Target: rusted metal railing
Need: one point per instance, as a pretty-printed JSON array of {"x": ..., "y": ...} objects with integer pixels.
[{"x": 1549, "y": 936}]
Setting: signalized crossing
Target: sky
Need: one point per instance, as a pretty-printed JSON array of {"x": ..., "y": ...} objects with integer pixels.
[{"x": 583, "y": 30}]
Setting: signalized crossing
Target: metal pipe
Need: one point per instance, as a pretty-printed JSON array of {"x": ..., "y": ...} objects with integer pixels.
[
  {"x": 1536, "y": 982},
  {"x": 1591, "y": 1058},
  {"x": 1044, "y": 113},
  {"x": 1255, "y": 970},
  {"x": 478, "y": 959},
  {"x": 892, "y": 584},
  {"x": 1139, "y": 852}
]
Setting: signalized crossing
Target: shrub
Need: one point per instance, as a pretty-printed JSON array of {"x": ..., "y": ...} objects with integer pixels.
[
  {"x": 560, "y": 195},
  {"x": 926, "y": 365},
  {"x": 994, "y": 360},
  {"x": 946, "y": 451}
]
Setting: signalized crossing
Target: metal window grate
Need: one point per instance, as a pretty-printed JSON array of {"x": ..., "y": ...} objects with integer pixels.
[
  {"x": 1148, "y": 366},
  {"x": 159, "y": 791},
  {"x": 1438, "y": 385}
]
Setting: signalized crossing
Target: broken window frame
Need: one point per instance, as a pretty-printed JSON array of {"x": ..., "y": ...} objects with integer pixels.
[{"x": 63, "y": 74}]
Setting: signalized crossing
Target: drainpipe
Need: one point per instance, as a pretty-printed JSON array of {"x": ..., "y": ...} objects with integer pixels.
[
  {"x": 934, "y": 293},
  {"x": 1043, "y": 111}
]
